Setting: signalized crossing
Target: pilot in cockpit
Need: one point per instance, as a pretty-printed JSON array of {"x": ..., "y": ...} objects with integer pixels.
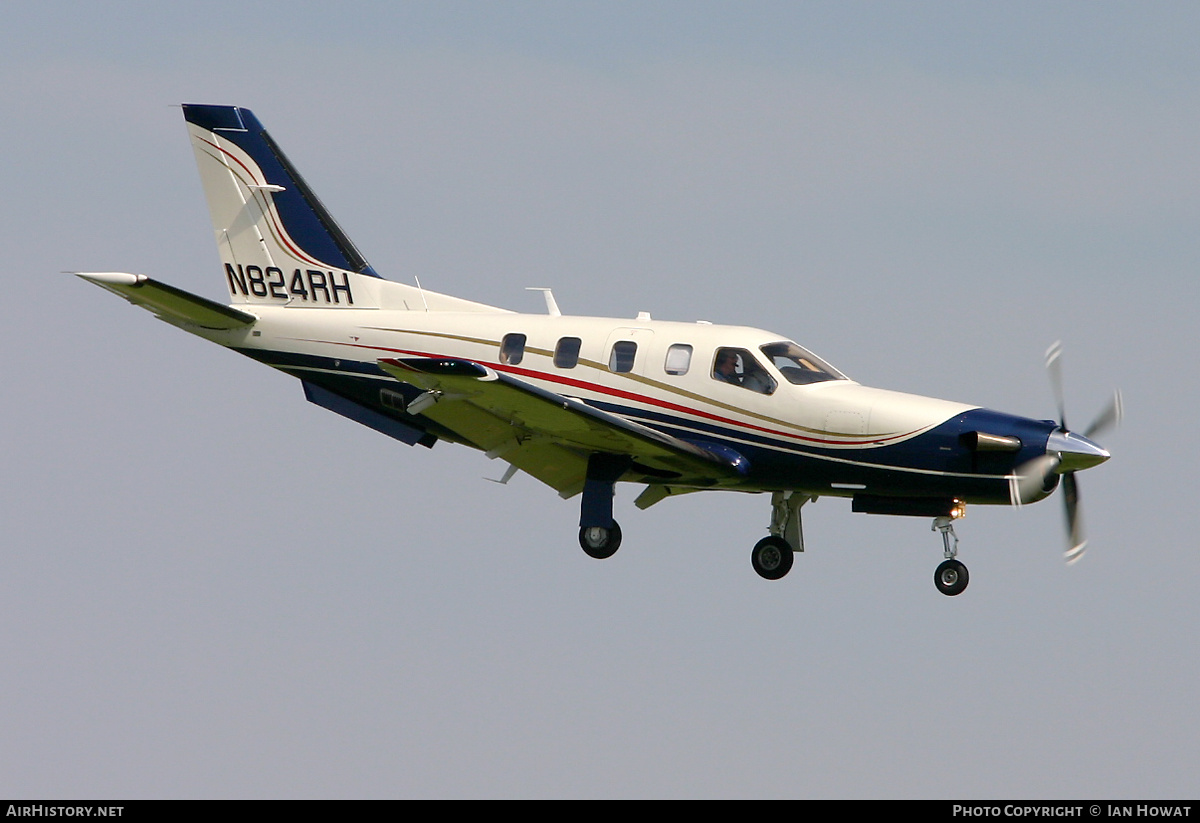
[
  {"x": 725, "y": 369},
  {"x": 738, "y": 366}
]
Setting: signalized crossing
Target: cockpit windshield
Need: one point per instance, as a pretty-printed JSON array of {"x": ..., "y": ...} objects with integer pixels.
[{"x": 798, "y": 365}]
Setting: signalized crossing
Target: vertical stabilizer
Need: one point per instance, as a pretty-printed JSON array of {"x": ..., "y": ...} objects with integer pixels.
[{"x": 278, "y": 243}]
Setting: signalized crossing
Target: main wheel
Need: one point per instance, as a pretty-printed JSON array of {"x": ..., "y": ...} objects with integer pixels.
[
  {"x": 772, "y": 557},
  {"x": 951, "y": 578},
  {"x": 599, "y": 542}
]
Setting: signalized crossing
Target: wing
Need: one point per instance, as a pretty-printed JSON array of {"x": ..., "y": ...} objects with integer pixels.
[{"x": 550, "y": 435}]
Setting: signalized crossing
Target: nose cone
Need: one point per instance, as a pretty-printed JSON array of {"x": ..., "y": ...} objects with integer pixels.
[{"x": 1075, "y": 452}]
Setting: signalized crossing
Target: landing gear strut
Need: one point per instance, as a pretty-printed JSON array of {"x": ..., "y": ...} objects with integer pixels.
[
  {"x": 772, "y": 556},
  {"x": 951, "y": 576},
  {"x": 599, "y": 534}
]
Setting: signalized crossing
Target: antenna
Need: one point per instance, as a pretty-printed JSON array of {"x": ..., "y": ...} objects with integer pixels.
[
  {"x": 422, "y": 291},
  {"x": 551, "y": 306}
]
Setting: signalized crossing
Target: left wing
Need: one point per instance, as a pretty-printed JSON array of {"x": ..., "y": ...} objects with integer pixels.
[
  {"x": 549, "y": 435},
  {"x": 169, "y": 303}
]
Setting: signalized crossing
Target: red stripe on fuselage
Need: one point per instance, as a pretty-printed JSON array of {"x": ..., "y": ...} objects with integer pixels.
[{"x": 640, "y": 398}]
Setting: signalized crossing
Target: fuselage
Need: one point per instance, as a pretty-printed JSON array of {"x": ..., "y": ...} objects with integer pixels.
[{"x": 823, "y": 434}]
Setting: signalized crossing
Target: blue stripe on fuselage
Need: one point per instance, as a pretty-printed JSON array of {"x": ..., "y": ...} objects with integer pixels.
[{"x": 933, "y": 464}]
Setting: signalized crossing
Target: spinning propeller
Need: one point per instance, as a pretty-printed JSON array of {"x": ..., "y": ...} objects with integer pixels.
[{"x": 1066, "y": 453}]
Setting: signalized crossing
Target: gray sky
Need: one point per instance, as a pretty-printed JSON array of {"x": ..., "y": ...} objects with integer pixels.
[{"x": 211, "y": 588}]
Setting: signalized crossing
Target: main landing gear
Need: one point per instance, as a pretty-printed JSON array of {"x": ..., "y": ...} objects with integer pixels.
[
  {"x": 951, "y": 576},
  {"x": 599, "y": 534},
  {"x": 772, "y": 556}
]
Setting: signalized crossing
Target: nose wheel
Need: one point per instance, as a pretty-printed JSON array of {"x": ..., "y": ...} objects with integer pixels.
[{"x": 951, "y": 576}]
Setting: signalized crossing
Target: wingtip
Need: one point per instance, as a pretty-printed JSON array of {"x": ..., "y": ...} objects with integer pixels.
[{"x": 111, "y": 278}]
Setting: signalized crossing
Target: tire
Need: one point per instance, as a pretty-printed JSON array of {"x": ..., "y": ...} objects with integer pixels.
[
  {"x": 599, "y": 542},
  {"x": 772, "y": 557},
  {"x": 951, "y": 578}
]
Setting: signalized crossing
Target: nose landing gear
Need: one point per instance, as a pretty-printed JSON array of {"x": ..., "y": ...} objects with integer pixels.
[{"x": 951, "y": 576}]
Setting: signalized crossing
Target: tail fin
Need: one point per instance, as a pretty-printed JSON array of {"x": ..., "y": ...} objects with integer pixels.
[{"x": 277, "y": 242}]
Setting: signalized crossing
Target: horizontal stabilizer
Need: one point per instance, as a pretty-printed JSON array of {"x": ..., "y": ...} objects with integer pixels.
[{"x": 169, "y": 303}]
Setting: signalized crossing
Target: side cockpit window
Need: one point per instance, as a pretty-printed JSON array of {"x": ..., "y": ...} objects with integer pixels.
[
  {"x": 738, "y": 366},
  {"x": 512, "y": 349}
]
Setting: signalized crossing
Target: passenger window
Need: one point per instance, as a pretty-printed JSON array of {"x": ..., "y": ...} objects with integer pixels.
[
  {"x": 738, "y": 366},
  {"x": 621, "y": 359},
  {"x": 679, "y": 357},
  {"x": 512, "y": 349},
  {"x": 566, "y": 353}
]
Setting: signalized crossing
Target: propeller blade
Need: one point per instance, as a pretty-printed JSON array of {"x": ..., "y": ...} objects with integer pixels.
[
  {"x": 1054, "y": 370},
  {"x": 1076, "y": 542},
  {"x": 1028, "y": 480},
  {"x": 1107, "y": 419},
  {"x": 1072, "y": 456}
]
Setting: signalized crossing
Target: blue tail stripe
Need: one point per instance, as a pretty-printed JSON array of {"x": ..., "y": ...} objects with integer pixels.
[{"x": 214, "y": 118}]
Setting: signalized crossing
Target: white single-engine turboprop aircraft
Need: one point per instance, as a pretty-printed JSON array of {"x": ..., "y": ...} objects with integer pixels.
[{"x": 581, "y": 403}]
